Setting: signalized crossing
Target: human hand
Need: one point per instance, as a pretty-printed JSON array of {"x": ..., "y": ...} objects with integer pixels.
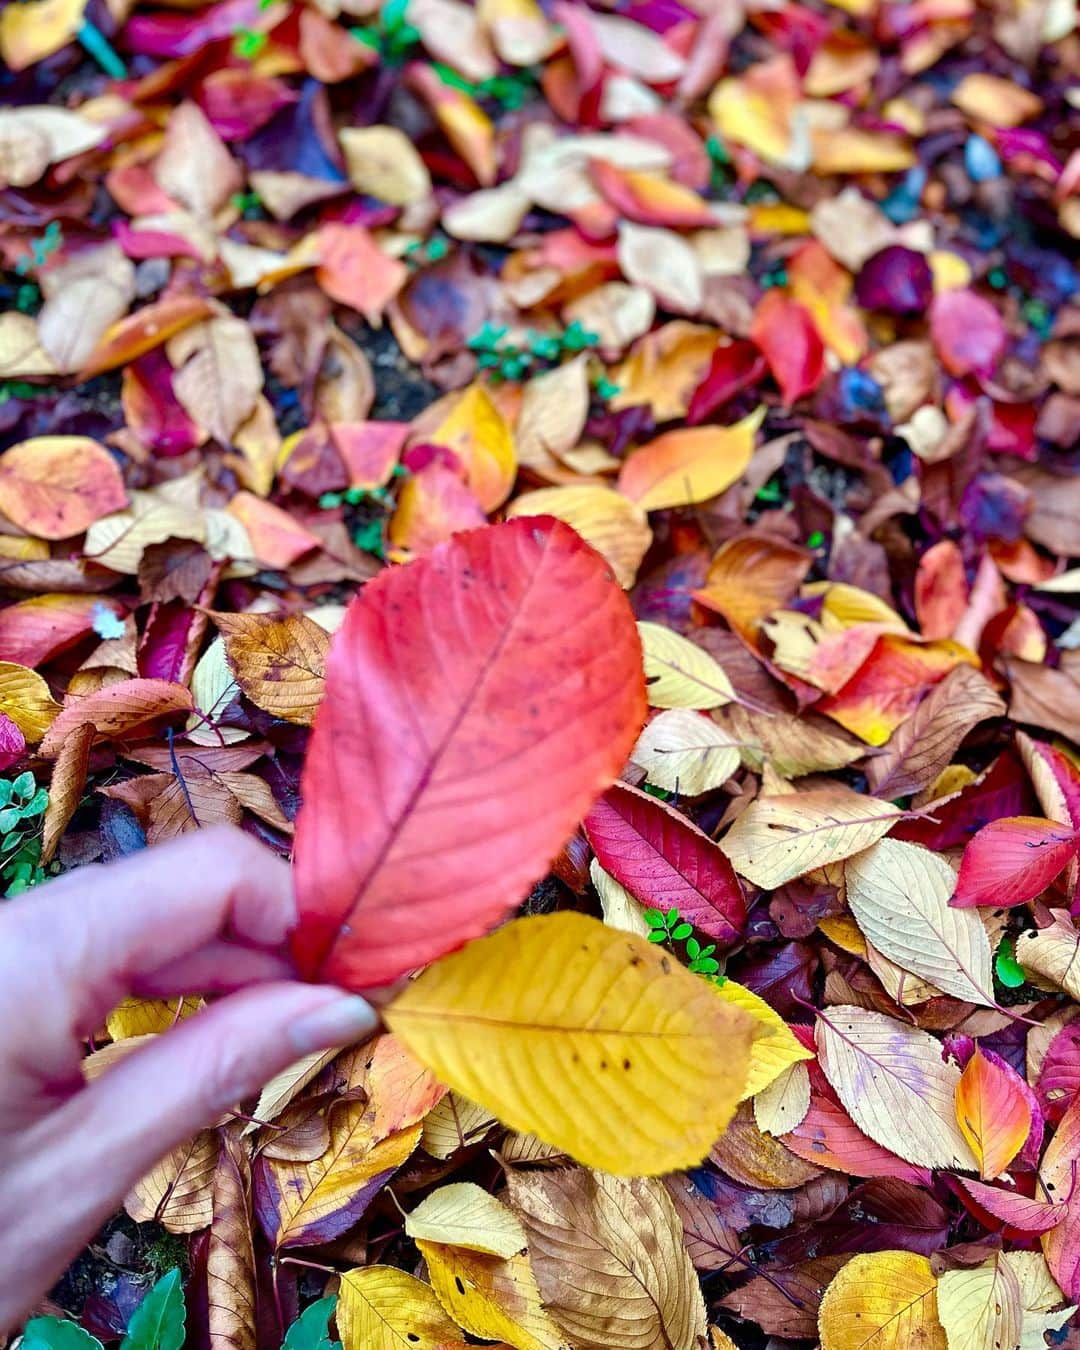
[{"x": 208, "y": 914}]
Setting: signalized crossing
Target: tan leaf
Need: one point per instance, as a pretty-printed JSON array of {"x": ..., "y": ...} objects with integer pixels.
[
  {"x": 616, "y": 312},
  {"x": 1053, "y": 953},
  {"x": 783, "y": 1105},
  {"x": 757, "y": 1160},
  {"x": 1040, "y": 1298},
  {"x": 178, "y": 1192},
  {"x": 922, "y": 746},
  {"x": 899, "y": 894},
  {"x": 191, "y": 801},
  {"x": 792, "y": 746},
  {"x": 30, "y": 32},
  {"x": 777, "y": 839},
  {"x": 453, "y": 1124},
  {"x": 65, "y": 788},
  {"x": 888, "y": 1074},
  {"x": 279, "y": 661},
  {"x": 980, "y": 1308},
  {"x": 618, "y": 906},
  {"x": 194, "y": 167},
  {"x": 664, "y": 264},
  {"x": 230, "y": 1255},
  {"x": 710, "y": 1242},
  {"x": 465, "y": 1215},
  {"x": 21, "y": 353},
  {"x": 32, "y": 138},
  {"x": 382, "y": 162},
  {"x": 218, "y": 377},
  {"x": 618, "y": 529},
  {"x": 682, "y": 751},
  {"x": 254, "y": 795},
  {"x": 283, "y": 1087},
  {"x": 609, "y": 1259},
  {"x": 118, "y": 710},
  {"x": 84, "y": 297},
  {"x": 554, "y": 408}
]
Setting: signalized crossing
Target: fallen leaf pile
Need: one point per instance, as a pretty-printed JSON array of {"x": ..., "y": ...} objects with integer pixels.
[{"x": 600, "y": 478}]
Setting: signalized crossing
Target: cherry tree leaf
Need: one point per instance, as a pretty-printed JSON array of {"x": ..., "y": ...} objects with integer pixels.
[
  {"x": 992, "y": 1112},
  {"x": 679, "y": 673},
  {"x": 439, "y": 698},
  {"x": 1013, "y": 860},
  {"x": 57, "y": 486},
  {"x": 684, "y": 752}
]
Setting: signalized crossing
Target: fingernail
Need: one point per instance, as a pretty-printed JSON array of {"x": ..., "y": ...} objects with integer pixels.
[{"x": 339, "y": 1022}]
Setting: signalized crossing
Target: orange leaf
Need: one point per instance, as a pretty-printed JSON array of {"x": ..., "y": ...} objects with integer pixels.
[
  {"x": 750, "y": 577},
  {"x": 277, "y": 539},
  {"x": 143, "y": 331},
  {"x": 353, "y": 270},
  {"x": 118, "y": 710},
  {"x": 57, "y": 486},
  {"x": 690, "y": 465},
  {"x": 992, "y": 1112}
]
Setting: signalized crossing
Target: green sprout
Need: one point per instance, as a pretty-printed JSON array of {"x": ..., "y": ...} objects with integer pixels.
[
  {"x": 41, "y": 249},
  {"x": 815, "y": 540},
  {"x": 432, "y": 250},
  {"x": 510, "y": 359},
  {"x": 392, "y": 36},
  {"x": 247, "y": 203},
  {"x": 248, "y": 43},
  {"x": 1007, "y": 968},
  {"x": 670, "y": 927},
  {"x": 509, "y": 91},
  {"x": 22, "y": 806},
  {"x": 771, "y": 493}
]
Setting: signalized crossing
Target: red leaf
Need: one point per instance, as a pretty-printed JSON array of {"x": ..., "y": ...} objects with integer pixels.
[
  {"x": 786, "y": 334},
  {"x": 664, "y": 860},
  {"x": 476, "y": 702},
  {"x": 1011, "y": 1208},
  {"x": 968, "y": 332},
  {"x": 12, "y": 743},
  {"x": 735, "y": 366},
  {"x": 1013, "y": 860}
]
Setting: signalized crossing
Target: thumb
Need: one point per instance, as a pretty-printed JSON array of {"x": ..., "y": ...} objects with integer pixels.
[{"x": 112, "y": 1132}]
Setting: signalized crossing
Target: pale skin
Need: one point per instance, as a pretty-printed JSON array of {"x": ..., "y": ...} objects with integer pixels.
[{"x": 208, "y": 914}]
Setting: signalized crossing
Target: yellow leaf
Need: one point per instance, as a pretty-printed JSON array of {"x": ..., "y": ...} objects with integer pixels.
[
  {"x": 775, "y": 1048},
  {"x": 25, "y": 699},
  {"x": 454, "y": 1123},
  {"x": 279, "y": 661},
  {"x": 550, "y": 1015},
  {"x": 618, "y": 906},
  {"x": 382, "y": 162},
  {"x": 148, "y": 1016},
  {"x": 679, "y": 673},
  {"x": 493, "y": 1298},
  {"x": 29, "y": 32},
  {"x": 465, "y": 1215},
  {"x": 690, "y": 465},
  {"x": 476, "y": 431},
  {"x": 381, "y": 1308},
  {"x": 684, "y": 752},
  {"x": 844, "y": 605},
  {"x": 779, "y": 838},
  {"x": 981, "y": 1309},
  {"x": 617, "y": 528},
  {"x": 783, "y": 1105},
  {"x": 990, "y": 98},
  {"x": 882, "y": 1301}
]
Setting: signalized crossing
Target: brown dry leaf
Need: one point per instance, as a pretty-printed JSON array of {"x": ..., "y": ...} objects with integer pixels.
[
  {"x": 609, "y": 1259},
  {"x": 453, "y": 1124},
  {"x": 754, "y": 1159},
  {"x": 382, "y": 162},
  {"x": 786, "y": 1304},
  {"x": 664, "y": 264},
  {"x": 554, "y": 408},
  {"x": 1044, "y": 696},
  {"x": 65, "y": 788},
  {"x": 617, "y": 528},
  {"x": 616, "y": 312},
  {"x": 178, "y": 1192},
  {"x": 218, "y": 376},
  {"x": 283, "y": 1087},
  {"x": 777, "y": 839},
  {"x": 194, "y": 167},
  {"x": 279, "y": 661},
  {"x": 118, "y": 711},
  {"x": 710, "y": 1242},
  {"x": 792, "y": 746},
  {"x": 751, "y": 576},
  {"x": 924, "y": 745},
  {"x": 254, "y": 795},
  {"x": 84, "y": 296},
  {"x": 190, "y": 801},
  {"x": 230, "y": 1258}
]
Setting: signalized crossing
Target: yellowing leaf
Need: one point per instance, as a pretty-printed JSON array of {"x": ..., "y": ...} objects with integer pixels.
[
  {"x": 382, "y": 162},
  {"x": 178, "y": 1192},
  {"x": 381, "y": 1308},
  {"x": 680, "y": 674},
  {"x": 56, "y": 486},
  {"x": 554, "y": 409},
  {"x": 476, "y": 431},
  {"x": 550, "y": 1013},
  {"x": 690, "y": 465},
  {"x": 684, "y": 752},
  {"x": 777, "y": 839},
  {"x": 882, "y": 1301},
  {"x": 990, "y": 98},
  {"x": 899, "y": 895},
  {"x": 609, "y": 1258},
  {"x": 1040, "y": 1298},
  {"x": 618, "y": 906},
  {"x": 981, "y": 1309},
  {"x": 32, "y": 31},
  {"x": 618, "y": 529},
  {"x": 279, "y": 661},
  {"x": 454, "y": 1123},
  {"x": 26, "y": 700},
  {"x": 148, "y": 1016},
  {"x": 895, "y": 1086},
  {"x": 491, "y": 1297},
  {"x": 218, "y": 376},
  {"x": 782, "y": 1106},
  {"x": 465, "y": 1215},
  {"x": 791, "y": 746},
  {"x": 775, "y": 1047}
]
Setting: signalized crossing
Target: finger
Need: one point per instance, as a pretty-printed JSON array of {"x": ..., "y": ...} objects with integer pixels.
[
  {"x": 218, "y": 968},
  {"x": 80, "y": 1161},
  {"x": 131, "y": 918}
]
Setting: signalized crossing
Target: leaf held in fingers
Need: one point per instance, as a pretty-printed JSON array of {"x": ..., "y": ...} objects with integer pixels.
[
  {"x": 380, "y": 1308},
  {"x": 882, "y": 1301},
  {"x": 54, "y": 487},
  {"x": 899, "y": 895},
  {"x": 424, "y": 720},
  {"x": 279, "y": 661},
  {"x": 993, "y": 1113},
  {"x": 887, "y": 1074},
  {"x": 680, "y": 674},
  {"x": 665, "y": 861},
  {"x": 1013, "y": 860},
  {"x": 564, "y": 1000},
  {"x": 777, "y": 839},
  {"x": 609, "y": 1259}
]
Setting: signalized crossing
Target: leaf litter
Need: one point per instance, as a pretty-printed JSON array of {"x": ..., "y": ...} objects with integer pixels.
[{"x": 613, "y": 465}]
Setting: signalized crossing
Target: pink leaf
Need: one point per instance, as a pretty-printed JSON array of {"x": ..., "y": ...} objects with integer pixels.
[{"x": 1013, "y": 860}]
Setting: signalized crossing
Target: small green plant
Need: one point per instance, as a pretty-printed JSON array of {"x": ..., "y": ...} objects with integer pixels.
[
  {"x": 41, "y": 249},
  {"x": 249, "y": 204},
  {"x": 22, "y": 805},
  {"x": 672, "y": 928},
  {"x": 248, "y": 43},
  {"x": 392, "y": 36},
  {"x": 311, "y": 1330},
  {"x": 432, "y": 250},
  {"x": 509, "y": 359},
  {"x": 508, "y": 91},
  {"x": 158, "y": 1323},
  {"x": 10, "y": 389}
]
